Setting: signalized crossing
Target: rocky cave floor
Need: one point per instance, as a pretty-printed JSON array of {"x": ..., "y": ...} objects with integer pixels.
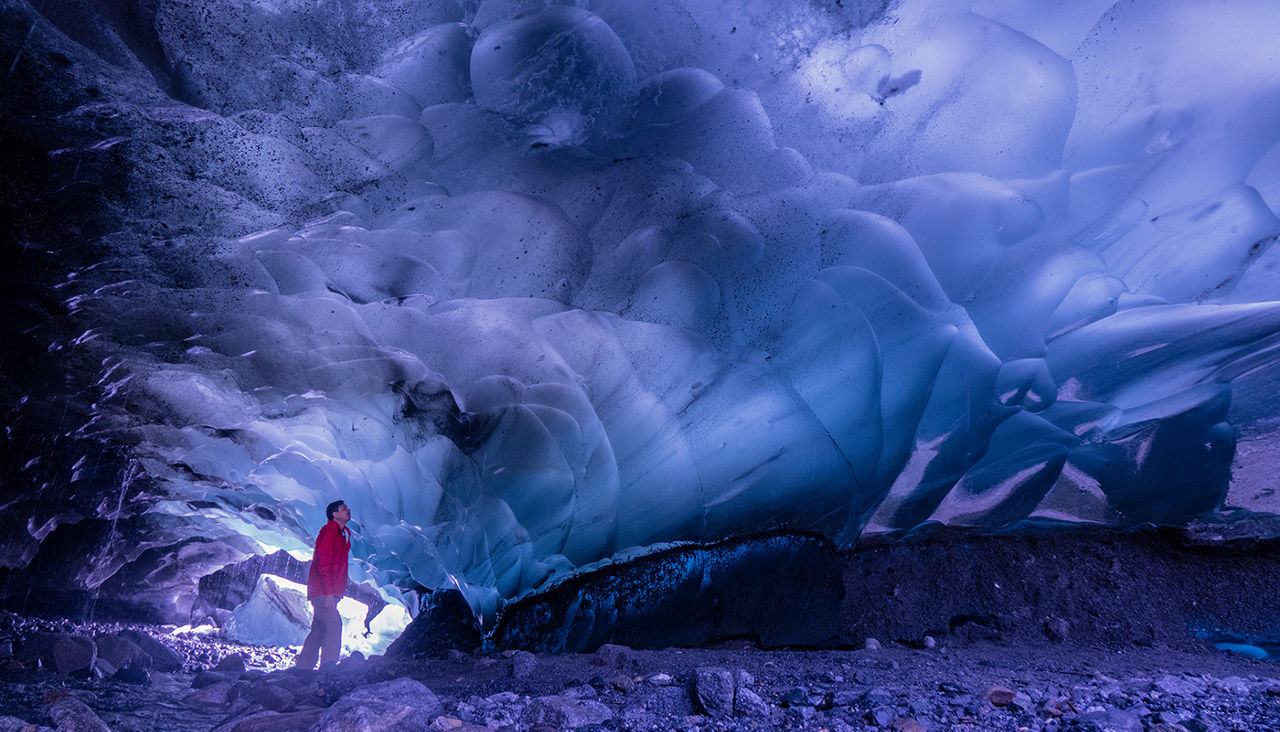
[{"x": 966, "y": 680}]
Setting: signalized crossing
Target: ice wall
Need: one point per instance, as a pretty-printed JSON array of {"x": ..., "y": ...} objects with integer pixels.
[{"x": 532, "y": 284}]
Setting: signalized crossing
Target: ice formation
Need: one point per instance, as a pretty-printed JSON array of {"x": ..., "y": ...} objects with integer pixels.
[
  {"x": 277, "y": 614},
  {"x": 532, "y": 284}
]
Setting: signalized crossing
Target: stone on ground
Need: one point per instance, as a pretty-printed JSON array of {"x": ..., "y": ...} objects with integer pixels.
[{"x": 400, "y": 704}]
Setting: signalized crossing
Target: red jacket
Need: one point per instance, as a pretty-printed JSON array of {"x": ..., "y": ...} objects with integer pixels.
[{"x": 328, "y": 575}]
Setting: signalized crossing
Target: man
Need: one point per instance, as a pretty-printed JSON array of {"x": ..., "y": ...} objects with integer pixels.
[{"x": 326, "y": 584}]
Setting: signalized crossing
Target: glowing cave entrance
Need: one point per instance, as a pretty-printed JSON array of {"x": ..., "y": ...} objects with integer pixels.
[{"x": 531, "y": 285}]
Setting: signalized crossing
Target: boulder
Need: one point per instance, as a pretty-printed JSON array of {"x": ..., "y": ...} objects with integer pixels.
[
  {"x": 204, "y": 679},
  {"x": 16, "y": 724},
  {"x": 747, "y": 703},
  {"x": 399, "y": 704},
  {"x": 121, "y": 652},
  {"x": 670, "y": 701},
  {"x": 132, "y": 675},
  {"x": 37, "y": 648},
  {"x": 565, "y": 713},
  {"x": 611, "y": 655},
  {"x": 522, "y": 664},
  {"x": 72, "y": 714},
  {"x": 713, "y": 690},
  {"x": 73, "y": 655},
  {"x": 213, "y": 698},
  {"x": 270, "y": 721},
  {"x": 163, "y": 658},
  {"x": 233, "y": 663},
  {"x": 448, "y": 623},
  {"x": 275, "y": 697}
]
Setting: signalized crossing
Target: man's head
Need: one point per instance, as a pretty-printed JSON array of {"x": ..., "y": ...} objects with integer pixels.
[{"x": 332, "y": 509}]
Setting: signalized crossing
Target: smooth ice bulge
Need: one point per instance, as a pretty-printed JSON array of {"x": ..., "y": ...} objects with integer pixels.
[{"x": 550, "y": 282}]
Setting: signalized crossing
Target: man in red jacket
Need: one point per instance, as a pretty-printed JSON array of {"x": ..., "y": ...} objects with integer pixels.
[{"x": 326, "y": 584}]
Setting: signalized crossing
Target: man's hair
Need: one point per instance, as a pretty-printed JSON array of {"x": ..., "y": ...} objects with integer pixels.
[{"x": 331, "y": 508}]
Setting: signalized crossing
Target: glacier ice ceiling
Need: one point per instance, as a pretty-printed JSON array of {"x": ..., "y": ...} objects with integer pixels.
[{"x": 532, "y": 285}]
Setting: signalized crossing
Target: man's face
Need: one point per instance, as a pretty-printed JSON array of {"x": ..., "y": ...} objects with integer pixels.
[{"x": 342, "y": 514}]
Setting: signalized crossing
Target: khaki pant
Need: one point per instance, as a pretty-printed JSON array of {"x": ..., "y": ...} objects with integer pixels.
[{"x": 325, "y": 638}]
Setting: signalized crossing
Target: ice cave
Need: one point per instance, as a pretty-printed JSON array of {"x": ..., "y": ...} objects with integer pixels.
[{"x": 541, "y": 287}]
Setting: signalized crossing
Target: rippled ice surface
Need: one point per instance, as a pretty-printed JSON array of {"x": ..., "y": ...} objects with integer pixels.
[{"x": 532, "y": 285}]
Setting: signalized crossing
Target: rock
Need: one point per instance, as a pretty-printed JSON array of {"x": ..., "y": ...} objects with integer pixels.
[
  {"x": 132, "y": 675},
  {"x": 399, "y": 704},
  {"x": 565, "y": 713},
  {"x": 73, "y": 655},
  {"x": 1056, "y": 629},
  {"x": 447, "y": 623},
  {"x": 999, "y": 696},
  {"x": 203, "y": 679},
  {"x": 670, "y": 701},
  {"x": 504, "y": 698},
  {"x": 121, "y": 652},
  {"x": 233, "y": 663},
  {"x": 922, "y": 707},
  {"x": 503, "y": 716},
  {"x": 797, "y": 696},
  {"x": 1176, "y": 685},
  {"x": 1112, "y": 720},
  {"x": 454, "y": 654},
  {"x": 522, "y": 664},
  {"x": 882, "y": 716},
  {"x": 878, "y": 697},
  {"x": 615, "y": 656},
  {"x": 713, "y": 690},
  {"x": 37, "y": 649},
  {"x": 951, "y": 688},
  {"x": 580, "y": 691},
  {"x": 273, "y": 722},
  {"x": 15, "y": 724},
  {"x": 101, "y": 669},
  {"x": 803, "y": 716},
  {"x": 747, "y": 703},
  {"x": 929, "y": 642},
  {"x": 163, "y": 658},
  {"x": 976, "y": 631},
  {"x": 846, "y": 698},
  {"x": 907, "y": 724},
  {"x": 625, "y": 684},
  {"x": 1166, "y": 727},
  {"x": 1058, "y": 706},
  {"x": 661, "y": 679},
  {"x": 1233, "y": 684},
  {"x": 70, "y": 713},
  {"x": 742, "y": 678},
  {"x": 871, "y": 644},
  {"x": 215, "y": 697},
  {"x": 275, "y": 697}
]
